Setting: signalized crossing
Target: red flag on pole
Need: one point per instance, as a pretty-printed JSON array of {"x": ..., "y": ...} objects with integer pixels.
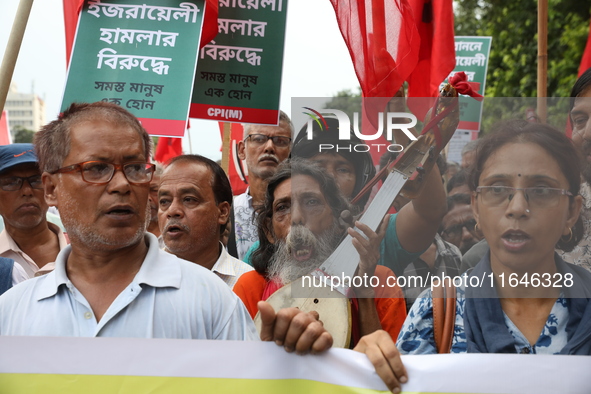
[
  {"x": 384, "y": 51},
  {"x": 437, "y": 54},
  {"x": 585, "y": 64},
  {"x": 72, "y": 10},
  {"x": 586, "y": 59},
  {"x": 168, "y": 148},
  {"x": 5, "y": 138},
  {"x": 237, "y": 171}
]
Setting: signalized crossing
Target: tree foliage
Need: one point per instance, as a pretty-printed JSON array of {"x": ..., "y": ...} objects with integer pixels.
[
  {"x": 347, "y": 101},
  {"x": 22, "y": 135},
  {"x": 512, "y": 69}
]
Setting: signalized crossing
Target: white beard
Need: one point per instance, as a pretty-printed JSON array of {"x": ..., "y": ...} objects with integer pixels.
[{"x": 284, "y": 268}]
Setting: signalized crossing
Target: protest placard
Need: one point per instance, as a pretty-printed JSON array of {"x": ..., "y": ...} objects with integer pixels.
[
  {"x": 239, "y": 73},
  {"x": 472, "y": 55},
  {"x": 140, "y": 54}
]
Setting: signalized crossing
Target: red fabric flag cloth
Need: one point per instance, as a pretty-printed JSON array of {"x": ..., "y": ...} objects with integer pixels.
[
  {"x": 437, "y": 54},
  {"x": 383, "y": 42},
  {"x": 585, "y": 64},
  {"x": 168, "y": 148},
  {"x": 5, "y": 138},
  {"x": 586, "y": 59},
  {"x": 237, "y": 172},
  {"x": 72, "y": 10}
]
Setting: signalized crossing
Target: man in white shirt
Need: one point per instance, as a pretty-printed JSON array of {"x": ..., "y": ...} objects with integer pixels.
[
  {"x": 263, "y": 148},
  {"x": 28, "y": 238},
  {"x": 194, "y": 201},
  {"x": 94, "y": 163}
]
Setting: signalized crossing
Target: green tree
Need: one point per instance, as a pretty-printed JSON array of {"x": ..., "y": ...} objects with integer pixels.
[
  {"x": 512, "y": 69},
  {"x": 22, "y": 135},
  {"x": 347, "y": 101}
]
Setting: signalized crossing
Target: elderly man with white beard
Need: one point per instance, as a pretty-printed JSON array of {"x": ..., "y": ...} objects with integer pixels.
[{"x": 298, "y": 228}]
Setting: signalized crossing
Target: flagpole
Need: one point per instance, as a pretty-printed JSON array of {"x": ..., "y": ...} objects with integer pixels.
[
  {"x": 190, "y": 143},
  {"x": 13, "y": 47},
  {"x": 226, "y": 147},
  {"x": 542, "y": 59}
]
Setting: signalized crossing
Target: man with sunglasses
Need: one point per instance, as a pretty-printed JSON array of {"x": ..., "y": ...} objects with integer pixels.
[
  {"x": 28, "y": 238},
  {"x": 263, "y": 149}
]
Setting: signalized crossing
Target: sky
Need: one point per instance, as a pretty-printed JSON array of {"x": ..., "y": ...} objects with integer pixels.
[{"x": 316, "y": 61}]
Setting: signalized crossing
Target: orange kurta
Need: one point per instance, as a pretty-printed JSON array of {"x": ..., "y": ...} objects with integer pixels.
[{"x": 389, "y": 301}]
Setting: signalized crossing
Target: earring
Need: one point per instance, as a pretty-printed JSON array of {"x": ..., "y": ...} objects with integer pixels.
[
  {"x": 477, "y": 227},
  {"x": 570, "y": 236}
]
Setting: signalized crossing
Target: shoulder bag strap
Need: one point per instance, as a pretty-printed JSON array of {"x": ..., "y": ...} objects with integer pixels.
[{"x": 444, "y": 316}]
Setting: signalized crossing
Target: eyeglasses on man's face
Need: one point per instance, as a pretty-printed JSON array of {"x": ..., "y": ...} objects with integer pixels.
[
  {"x": 100, "y": 172},
  {"x": 14, "y": 183},
  {"x": 535, "y": 196},
  {"x": 261, "y": 139}
]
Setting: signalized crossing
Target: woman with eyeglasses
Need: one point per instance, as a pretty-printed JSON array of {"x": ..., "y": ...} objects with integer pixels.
[{"x": 521, "y": 297}]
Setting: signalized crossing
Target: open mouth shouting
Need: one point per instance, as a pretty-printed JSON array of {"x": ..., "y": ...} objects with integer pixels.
[
  {"x": 515, "y": 240},
  {"x": 175, "y": 230}
]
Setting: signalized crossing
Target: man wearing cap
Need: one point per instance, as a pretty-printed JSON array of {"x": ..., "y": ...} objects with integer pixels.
[{"x": 28, "y": 238}]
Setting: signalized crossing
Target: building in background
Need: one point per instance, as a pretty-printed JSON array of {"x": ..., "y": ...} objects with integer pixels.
[{"x": 26, "y": 110}]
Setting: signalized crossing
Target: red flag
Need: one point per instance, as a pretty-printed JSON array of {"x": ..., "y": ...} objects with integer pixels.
[
  {"x": 236, "y": 169},
  {"x": 168, "y": 148},
  {"x": 383, "y": 53},
  {"x": 586, "y": 60},
  {"x": 5, "y": 138},
  {"x": 437, "y": 54},
  {"x": 585, "y": 64},
  {"x": 72, "y": 10}
]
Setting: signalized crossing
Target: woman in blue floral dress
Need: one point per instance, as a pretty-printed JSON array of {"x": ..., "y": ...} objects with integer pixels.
[{"x": 521, "y": 297}]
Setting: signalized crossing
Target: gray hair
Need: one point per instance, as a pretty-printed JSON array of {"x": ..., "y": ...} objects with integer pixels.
[
  {"x": 470, "y": 146},
  {"x": 159, "y": 168},
  {"x": 283, "y": 118},
  {"x": 52, "y": 142}
]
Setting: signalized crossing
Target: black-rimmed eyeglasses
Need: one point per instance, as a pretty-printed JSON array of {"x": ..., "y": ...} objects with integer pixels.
[
  {"x": 13, "y": 183},
  {"x": 261, "y": 139},
  {"x": 100, "y": 172}
]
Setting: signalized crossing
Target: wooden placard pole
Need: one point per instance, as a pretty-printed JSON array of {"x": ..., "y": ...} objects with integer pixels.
[
  {"x": 13, "y": 47},
  {"x": 226, "y": 146},
  {"x": 542, "y": 59}
]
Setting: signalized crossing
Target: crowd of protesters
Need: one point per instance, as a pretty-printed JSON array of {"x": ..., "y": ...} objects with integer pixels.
[{"x": 169, "y": 252}]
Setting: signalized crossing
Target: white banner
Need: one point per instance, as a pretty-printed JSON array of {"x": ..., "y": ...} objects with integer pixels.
[{"x": 122, "y": 365}]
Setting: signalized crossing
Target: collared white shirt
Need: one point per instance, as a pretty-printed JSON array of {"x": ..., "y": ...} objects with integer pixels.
[
  {"x": 9, "y": 248},
  {"x": 244, "y": 223},
  {"x": 168, "y": 298},
  {"x": 229, "y": 268},
  {"x": 18, "y": 274}
]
